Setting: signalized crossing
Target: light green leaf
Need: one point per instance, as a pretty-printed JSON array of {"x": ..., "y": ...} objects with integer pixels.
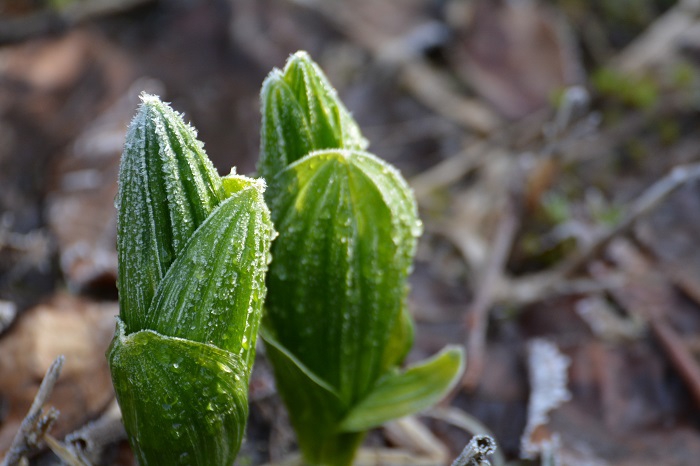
[
  {"x": 303, "y": 383},
  {"x": 403, "y": 393},
  {"x": 167, "y": 188},
  {"x": 400, "y": 342},
  {"x": 182, "y": 402}
]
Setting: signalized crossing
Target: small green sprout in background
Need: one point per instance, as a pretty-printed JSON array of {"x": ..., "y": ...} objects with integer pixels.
[
  {"x": 336, "y": 326},
  {"x": 193, "y": 250}
]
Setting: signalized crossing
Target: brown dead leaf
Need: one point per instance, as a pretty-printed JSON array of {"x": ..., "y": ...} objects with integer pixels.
[
  {"x": 75, "y": 327},
  {"x": 61, "y": 82},
  {"x": 516, "y": 55},
  {"x": 48, "y": 65}
]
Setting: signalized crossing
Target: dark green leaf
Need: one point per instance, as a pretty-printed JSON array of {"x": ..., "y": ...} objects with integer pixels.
[
  {"x": 182, "y": 402},
  {"x": 167, "y": 187}
]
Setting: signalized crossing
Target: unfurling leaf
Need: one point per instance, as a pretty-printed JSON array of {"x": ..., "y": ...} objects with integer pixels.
[
  {"x": 347, "y": 234},
  {"x": 336, "y": 325},
  {"x": 182, "y": 402}
]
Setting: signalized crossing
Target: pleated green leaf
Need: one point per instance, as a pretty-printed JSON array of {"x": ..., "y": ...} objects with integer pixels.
[
  {"x": 213, "y": 292},
  {"x": 167, "y": 188},
  {"x": 302, "y": 383},
  {"x": 302, "y": 113},
  {"x": 402, "y": 393},
  {"x": 286, "y": 136},
  {"x": 193, "y": 253},
  {"x": 331, "y": 124},
  {"x": 347, "y": 232},
  {"x": 182, "y": 402}
]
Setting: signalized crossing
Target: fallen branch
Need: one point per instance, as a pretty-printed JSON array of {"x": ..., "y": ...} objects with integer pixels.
[
  {"x": 641, "y": 206},
  {"x": 477, "y": 317}
]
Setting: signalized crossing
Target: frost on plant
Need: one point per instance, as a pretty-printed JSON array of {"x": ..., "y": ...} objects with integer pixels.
[
  {"x": 547, "y": 368},
  {"x": 193, "y": 250},
  {"x": 336, "y": 324}
]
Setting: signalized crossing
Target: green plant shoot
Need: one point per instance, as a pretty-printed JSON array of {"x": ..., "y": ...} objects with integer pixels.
[
  {"x": 193, "y": 251},
  {"x": 336, "y": 323}
]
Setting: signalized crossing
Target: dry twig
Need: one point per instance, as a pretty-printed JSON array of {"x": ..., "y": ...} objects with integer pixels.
[
  {"x": 477, "y": 317},
  {"x": 471, "y": 425},
  {"x": 60, "y": 450},
  {"x": 661, "y": 40},
  {"x": 641, "y": 206},
  {"x": 476, "y": 451},
  {"x": 425, "y": 83},
  {"x": 534, "y": 287},
  {"x": 8, "y": 312},
  {"x": 48, "y": 20},
  {"x": 89, "y": 442},
  {"x": 37, "y": 422},
  {"x": 649, "y": 295}
]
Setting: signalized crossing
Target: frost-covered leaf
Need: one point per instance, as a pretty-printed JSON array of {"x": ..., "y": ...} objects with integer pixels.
[
  {"x": 285, "y": 129},
  {"x": 347, "y": 232},
  {"x": 302, "y": 113},
  {"x": 214, "y": 291},
  {"x": 182, "y": 402},
  {"x": 167, "y": 188},
  {"x": 399, "y": 394},
  {"x": 348, "y": 227},
  {"x": 193, "y": 252}
]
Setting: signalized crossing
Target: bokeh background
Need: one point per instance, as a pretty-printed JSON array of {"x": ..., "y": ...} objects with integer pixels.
[{"x": 553, "y": 147}]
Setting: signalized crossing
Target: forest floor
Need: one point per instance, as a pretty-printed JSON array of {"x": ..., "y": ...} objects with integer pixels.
[{"x": 554, "y": 151}]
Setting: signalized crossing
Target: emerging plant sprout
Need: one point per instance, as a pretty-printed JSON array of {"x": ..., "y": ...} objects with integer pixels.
[
  {"x": 193, "y": 251},
  {"x": 336, "y": 325}
]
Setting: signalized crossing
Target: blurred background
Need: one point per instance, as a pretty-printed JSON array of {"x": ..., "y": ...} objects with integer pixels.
[{"x": 554, "y": 150}]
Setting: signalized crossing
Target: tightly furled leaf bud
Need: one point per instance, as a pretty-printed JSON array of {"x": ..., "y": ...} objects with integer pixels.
[
  {"x": 193, "y": 252},
  {"x": 301, "y": 114}
]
